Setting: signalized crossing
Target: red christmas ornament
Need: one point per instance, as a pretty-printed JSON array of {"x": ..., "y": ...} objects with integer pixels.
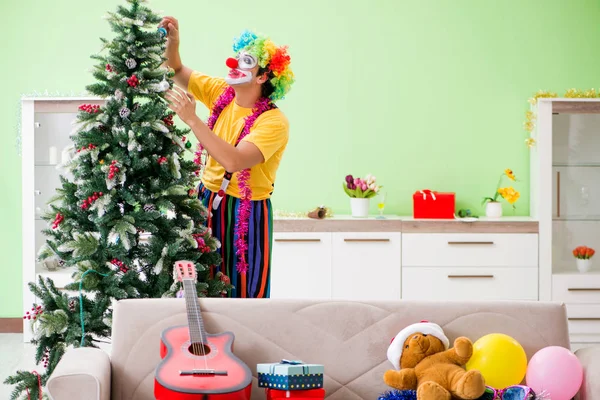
[
  {"x": 46, "y": 358},
  {"x": 162, "y": 160},
  {"x": 201, "y": 243},
  {"x": 168, "y": 120},
  {"x": 133, "y": 81},
  {"x": 35, "y": 313},
  {"x": 57, "y": 220},
  {"x": 113, "y": 169},
  {"x": 122, "y": 267},
  {"x": 88, "y": 147},
  {"x": 88, "y": 202},
  {"x": 109, "y": 68},
  {"x": 89, "y": 108},
  {"x": 225, "y": 279}
]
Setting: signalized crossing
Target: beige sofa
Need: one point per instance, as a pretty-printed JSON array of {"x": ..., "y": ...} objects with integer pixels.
[{"x": 349, "y": 338}]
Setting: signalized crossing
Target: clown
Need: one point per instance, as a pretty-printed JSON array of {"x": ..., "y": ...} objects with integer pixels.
[{"x": 240, "y": 148}]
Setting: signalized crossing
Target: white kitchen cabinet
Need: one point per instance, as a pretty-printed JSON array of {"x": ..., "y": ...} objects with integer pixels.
[
  {"x": 469, "y": 283},
  {"x": 469, "y": 250},
  {"x": 301, "y": 265},
  {"x": 366, "y": 266}
]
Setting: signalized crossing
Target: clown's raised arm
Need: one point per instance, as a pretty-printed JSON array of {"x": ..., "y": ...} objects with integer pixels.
[{"x": 182, "y": 73}]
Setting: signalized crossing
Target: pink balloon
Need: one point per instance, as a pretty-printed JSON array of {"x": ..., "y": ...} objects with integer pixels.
[{"x": 555, "y": 370}]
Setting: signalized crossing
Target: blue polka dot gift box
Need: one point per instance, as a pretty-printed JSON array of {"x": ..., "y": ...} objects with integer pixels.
[{"x": 290, "y": 375}]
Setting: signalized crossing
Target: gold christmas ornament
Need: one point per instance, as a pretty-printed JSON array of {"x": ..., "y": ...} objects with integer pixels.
[
  {"x": 580, "y": 94},
  {"x": 541, "y": 94},
  {"x": 530, "y": 142},
  {"x": 530, "y": 116}
]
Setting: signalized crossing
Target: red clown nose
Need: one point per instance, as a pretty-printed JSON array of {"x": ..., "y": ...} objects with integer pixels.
[{"x": 232, "y": 63}]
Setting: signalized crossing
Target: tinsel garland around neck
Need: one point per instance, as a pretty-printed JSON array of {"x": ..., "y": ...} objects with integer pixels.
[{"x": 243, "y": 213}]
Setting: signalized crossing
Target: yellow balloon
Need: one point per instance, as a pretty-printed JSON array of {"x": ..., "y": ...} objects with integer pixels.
[{"x": 500, "y": 359}]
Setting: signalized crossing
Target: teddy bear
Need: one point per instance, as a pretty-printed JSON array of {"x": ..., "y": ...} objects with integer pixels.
[{"x": 423, "y": 362}]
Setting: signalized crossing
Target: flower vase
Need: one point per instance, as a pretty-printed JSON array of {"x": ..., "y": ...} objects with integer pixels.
[
  {"x": 493, "y": 209},
  {"x": 360, "y": 207},
  {"x": 583, "y": 264}
]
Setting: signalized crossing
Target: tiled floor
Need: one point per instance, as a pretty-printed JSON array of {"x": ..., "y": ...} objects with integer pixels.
[{"x": 16, "y": 355}]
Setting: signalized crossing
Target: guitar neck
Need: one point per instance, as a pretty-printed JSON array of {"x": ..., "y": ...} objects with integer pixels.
[{"x": 195, "y": 323}]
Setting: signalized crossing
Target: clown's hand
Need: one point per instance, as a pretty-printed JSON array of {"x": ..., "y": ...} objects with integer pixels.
[
  {"x": 172, "y": 27},
  {"x": 183, "y": 103}
]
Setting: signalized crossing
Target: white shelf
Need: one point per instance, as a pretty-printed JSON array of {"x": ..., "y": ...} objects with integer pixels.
[
  {"x": 60, "y": 277},
  {"x": 576, "y": 165},
  {"x": 572, "y": 270},
  {"x": 578, "y": 218}
]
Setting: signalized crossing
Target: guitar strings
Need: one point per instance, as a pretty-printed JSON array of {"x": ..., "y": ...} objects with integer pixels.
[
  {"x": 188, "y": 293},
  {"x": 197, "y": 309}
]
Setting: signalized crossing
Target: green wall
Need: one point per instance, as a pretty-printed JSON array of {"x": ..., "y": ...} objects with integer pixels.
[{"x": 423, "y": 94}]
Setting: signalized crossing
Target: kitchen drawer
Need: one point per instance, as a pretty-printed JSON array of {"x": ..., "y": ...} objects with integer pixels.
[
  {"x": 584, "y": 322},
  {"x": 576, "y": 288},
  {"x": 582, "y": 345},
  {"x": 469, "y": 250},
  {"x": 465, "y": 284}
]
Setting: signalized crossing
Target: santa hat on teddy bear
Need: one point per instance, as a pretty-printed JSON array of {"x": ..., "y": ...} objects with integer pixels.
[{"x": 425, "y": 327}]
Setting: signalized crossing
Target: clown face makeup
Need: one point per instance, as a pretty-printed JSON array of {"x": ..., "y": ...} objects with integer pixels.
[{"x": 240, "y": 68}]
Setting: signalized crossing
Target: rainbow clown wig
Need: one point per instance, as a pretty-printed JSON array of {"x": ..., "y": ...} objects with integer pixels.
[{"x": 269, "y": 56}]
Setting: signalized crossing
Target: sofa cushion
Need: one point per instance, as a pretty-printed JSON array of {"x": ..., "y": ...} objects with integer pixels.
[{"x": 349, "y": 338}]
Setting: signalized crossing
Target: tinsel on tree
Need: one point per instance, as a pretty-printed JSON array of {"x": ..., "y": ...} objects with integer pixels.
[{"x": 128, "y": 208}]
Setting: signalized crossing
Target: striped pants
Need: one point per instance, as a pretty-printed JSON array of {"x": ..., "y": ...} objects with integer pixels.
[{"x": 255, "y": 283}]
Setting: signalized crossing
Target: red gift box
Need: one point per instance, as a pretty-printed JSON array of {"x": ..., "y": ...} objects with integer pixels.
[
  {"x": 309, "y": 394},
  {"x": 432, "y": 204}
]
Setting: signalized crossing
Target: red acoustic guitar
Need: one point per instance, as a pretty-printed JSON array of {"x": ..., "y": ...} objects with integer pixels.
[{"x": 196, "y": 365}]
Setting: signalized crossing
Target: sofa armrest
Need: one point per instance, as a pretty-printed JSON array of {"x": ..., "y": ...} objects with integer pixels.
[
  {"x": 590, "y": 359},
  {"x": 82, "y": 373}
]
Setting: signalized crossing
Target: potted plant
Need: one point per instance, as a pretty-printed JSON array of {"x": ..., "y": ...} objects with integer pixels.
[
  {"x": 360, "y": 192},
  {"x": 493, "y": 208},
  {"x": 583, "y": 255}
]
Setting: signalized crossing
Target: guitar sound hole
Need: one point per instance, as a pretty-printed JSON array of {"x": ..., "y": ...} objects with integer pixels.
[{"x": 199, "y": 349}]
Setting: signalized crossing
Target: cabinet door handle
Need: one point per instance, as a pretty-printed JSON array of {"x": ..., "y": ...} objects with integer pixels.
[
  {"x": 558, "y": 194},
  {"x": 470, "y": 276},
  {"x": 583, "y": 319},
  {"x": 297, "y": 240},
  {"x": 483, "y": 243},
  {"x": 366, "y": 240},
  {"x": 584, "y": 289}
]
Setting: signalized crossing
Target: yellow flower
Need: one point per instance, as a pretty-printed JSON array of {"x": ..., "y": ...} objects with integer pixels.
[
  {"x": 509, "y": 194},
  {"x": 510, "y": 174}
]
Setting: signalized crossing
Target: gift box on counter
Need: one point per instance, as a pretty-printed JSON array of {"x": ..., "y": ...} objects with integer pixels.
[
  {"x": 290, "y": 375},
  {"x": 432, "y": 204},
  {"x": 310, "y": 394}
]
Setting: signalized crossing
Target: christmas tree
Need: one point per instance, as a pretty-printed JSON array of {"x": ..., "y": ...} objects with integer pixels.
[{"x": 128, "y": 210}]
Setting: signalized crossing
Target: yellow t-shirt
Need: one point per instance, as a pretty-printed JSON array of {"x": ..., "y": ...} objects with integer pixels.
[{"x": 269, "y": 133}]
